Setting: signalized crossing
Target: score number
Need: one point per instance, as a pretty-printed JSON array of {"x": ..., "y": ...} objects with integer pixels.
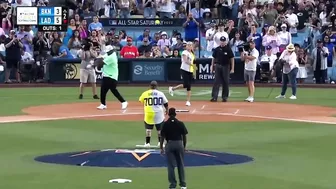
[{"x": 155, "y": 101}]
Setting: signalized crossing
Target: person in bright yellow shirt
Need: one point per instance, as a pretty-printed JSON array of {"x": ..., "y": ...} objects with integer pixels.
[{"x": 155, "y": 107}]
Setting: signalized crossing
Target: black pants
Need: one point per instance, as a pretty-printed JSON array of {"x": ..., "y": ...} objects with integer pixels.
[
  {"x": 222, "y": 77},
  {"x": 109, "y": 84},
  {"x": 175, "y": 156},
  {"x": 320, "y": 76}
]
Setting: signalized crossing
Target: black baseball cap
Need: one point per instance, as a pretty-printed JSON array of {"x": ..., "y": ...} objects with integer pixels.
[
  {"x": 222, "y": 38},
  {"x": 268, "y": 47}
]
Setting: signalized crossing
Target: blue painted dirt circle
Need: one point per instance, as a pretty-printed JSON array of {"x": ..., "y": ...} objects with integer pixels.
[{"x": 141, "y": 158}]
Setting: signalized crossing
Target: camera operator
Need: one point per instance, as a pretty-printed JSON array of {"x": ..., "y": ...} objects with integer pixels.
[
  {"x": 13, "y": 55},
  {"x": 87, "y": 70},
  {"x": 268, "y": 58},
  {"x": 251, "y": 58},
  {"x": 290, "y": 67}
]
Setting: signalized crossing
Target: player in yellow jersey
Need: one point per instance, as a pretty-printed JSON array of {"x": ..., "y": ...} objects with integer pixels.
[{"x": 155, "y": 107}]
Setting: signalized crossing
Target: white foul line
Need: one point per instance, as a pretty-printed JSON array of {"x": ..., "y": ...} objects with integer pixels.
[
  {"x": 278, "y": 118},
  {"x": 61, "y": 118},
  {"x": 236, "y": 112}
]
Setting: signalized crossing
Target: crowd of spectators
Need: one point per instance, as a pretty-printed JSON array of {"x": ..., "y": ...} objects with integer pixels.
[{"x": 239, "y": 21}]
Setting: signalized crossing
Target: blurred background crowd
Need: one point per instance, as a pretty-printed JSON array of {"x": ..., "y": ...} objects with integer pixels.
[{"x": 271, "y": 24}]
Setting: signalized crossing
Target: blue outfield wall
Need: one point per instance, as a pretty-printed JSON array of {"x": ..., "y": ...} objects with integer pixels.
[{"x": 142, "y": 71}]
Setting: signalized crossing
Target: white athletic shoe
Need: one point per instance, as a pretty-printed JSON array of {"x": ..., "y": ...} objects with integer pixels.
[
  {"x": 171, "y": 92},
  {"x": 247, "y": 99},
  {"x": 147, "y": 145},
  {"x": 102, "y": 107},
  {"x": 293, "y": 97},
  {"x": 250, "y": 99},
  {"x": 183, "y": 187},
  {"x": 124, "y": 105},
  {"x": 281, "y": 96},
  {"x": 188, "y": 103}
]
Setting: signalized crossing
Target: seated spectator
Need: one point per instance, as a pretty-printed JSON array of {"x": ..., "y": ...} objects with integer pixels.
[
  {"x": 191, "y": 27},
  {"x": 26, "y": 57},
  {"x": 149, "y": 8},
  {"x": 63, "y": 51},
  {"x": 147, "y": 54},
  {"x": 175, "y": 54},
  {"x": 156, "y": 39},
  {"x": 164, "y": 41},
  {"x": 292, "y": 20},
  {"x": 197, "y": 12},
  {"x": 156, "y": 52},
  {"x": 123, "y": 35},
  {"x": 129, "y": 51},
  {"x": 197, "y": 46},
  {"x": 125, "y": 8},
  {"x": 26, "y": 39},
  {"x": 174, "y": 36},
  {"x": 116, "y": 44},
  {"x": 145, "y": 46},
  {"x": 77, "y": 19},
  {"x": 75, "y": 44},
  {"x": 264, "y": 30},
  {"x": 166, "y": 52},
  {"x": 95, "y": 25},
  {"x": 181, "y": 12},
  {"x": 179, "y": 44},
  {"x": 285, "y": 38},
  {"x": 271, "y": 39},
  {"x": 235, "y": 43},
  {"x": 146, "y": 34}
]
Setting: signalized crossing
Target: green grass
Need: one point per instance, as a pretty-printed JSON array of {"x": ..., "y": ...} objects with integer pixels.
[{"x": 288, "y": 155}]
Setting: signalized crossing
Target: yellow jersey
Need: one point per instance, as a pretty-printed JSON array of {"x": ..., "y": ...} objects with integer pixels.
[{"x": 153, "y": 101}]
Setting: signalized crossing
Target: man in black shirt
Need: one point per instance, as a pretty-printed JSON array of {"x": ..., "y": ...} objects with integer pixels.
[
  {"x": 13, "y": 55},
  {"x": 146, "y": 46},
  {"x": 222, "y": 64},
  {"x": 175, "y": 133}
]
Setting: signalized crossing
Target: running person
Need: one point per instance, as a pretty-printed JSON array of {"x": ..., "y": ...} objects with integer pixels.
[
  {"x": 155, "y": 107},
  {"x": 187, "y": 70},
  {"x": 109, "y": 65}
]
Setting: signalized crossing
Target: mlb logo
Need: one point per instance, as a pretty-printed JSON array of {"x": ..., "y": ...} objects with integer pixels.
[{"x": 114, "y": 22}]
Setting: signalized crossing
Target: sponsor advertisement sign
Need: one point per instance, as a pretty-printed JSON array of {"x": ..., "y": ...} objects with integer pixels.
[
  {"x": 148, "y": 71},
  {"x": 203, "y": 71}
]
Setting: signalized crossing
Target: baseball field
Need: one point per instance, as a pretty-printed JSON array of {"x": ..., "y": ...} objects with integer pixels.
[{"x": 49, "y": 139}]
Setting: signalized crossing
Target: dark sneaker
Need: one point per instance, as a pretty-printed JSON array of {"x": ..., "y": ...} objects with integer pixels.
[
  {"x": 224, "y": 100},
  {"x": 213, "y": 100},
  {"x": 95, "y": 97},
  {"x": 80, "y": 96}
]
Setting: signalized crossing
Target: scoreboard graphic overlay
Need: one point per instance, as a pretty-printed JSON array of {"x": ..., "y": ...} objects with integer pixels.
[{"x": 45, "y": 18}]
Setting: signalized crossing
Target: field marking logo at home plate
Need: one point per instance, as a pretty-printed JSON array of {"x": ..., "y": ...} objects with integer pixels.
[
  {"x": 202, "y": 93},
  {"x": 140, "y": 158}
]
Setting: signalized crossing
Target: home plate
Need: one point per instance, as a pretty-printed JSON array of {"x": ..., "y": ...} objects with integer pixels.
[
  {"x": 120, "y": 181},
  {"x": 143, "y": 146}
]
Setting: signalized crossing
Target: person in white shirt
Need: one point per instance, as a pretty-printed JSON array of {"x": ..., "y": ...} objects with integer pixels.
[
  {"x": 187, "y": 71},
  {"x": 289, "y": 71},
  {"x": 292, "y": 20},
  {"x": 209, "y": 36},
  {"x": 268, "y": 58},
  {"x": 250, "y": 58},
  {"x": 220, "y": 33},
  {"x": 26, "y": 57},
  {"x": 285, "y": 37}
]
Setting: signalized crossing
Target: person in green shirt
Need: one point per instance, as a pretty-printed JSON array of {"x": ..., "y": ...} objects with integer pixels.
[{"x": 109, "y": 66}]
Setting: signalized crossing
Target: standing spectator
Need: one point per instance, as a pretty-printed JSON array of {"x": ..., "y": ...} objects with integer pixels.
[
  {"x": 292, "y": 20},
  {"x": 285, "y": 38},
  {"x": 264, "y": 30},
  {"x": 116, "y": 44},
  {"x": 209, "y": 34},
  {"x": 251, "y": 9},
  {"x": 95, "y": 25},
  {"x": 220, "y": 33},
  {"x": 4, "y": 10},
  {"x": 72, "y": 26},
  {"x": 75, "y": 44},
  {"x": 129, "y": 51},
  {"x": 269, "y": 13},
  {"x": 26, "y": 39},
  {"x": 235, "y": 11},
  {"x": 144, "y": 46},
  {"x": 123, "y": 35},
  {"x": 280, "y": 21},
  {"x": 302, "y": 72},
  {"x": 54, "y": 47},
  {"x": 13, "y": 56},
  {"x": 7, "y": 23},
  {"x": 256, "y": 38},
  {"x": 40, "y": 45},
  {"x": 164, "y": 41},
  {"x": 149, "y": 8},
  {"x": 235, "y": 43},
  {"x": 207, "y": 19},
  {"x": 124, "y": 8},
  {"x": 191, "y": 27},
  {"x": 303, "y": 17},
  {"x": 87, "y": 14},
  {"x": 197, "y": 12},
  {"x": 319, "y": 55},
  {"x": 179, "y": 44},
  {"x": 175, "y": 54},
  {"x": 230, "y": 29},
  {"x": 83, "y": 33},
  {"x": 165, "y": 8},
  {"x": 330, "y": 46},
  {"x": 272, "y": 39},
  {"x": 77, "y": 19},
  {"x": 181, "y": 12}
]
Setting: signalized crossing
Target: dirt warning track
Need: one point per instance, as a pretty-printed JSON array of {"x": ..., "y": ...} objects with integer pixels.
[{"x": 200, "y": 111}]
